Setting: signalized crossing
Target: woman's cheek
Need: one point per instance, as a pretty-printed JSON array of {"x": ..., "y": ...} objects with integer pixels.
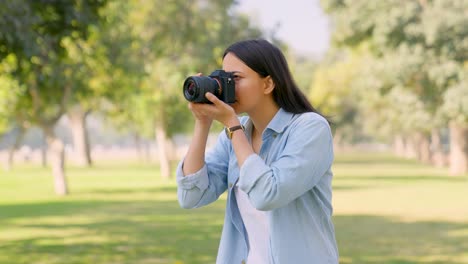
[{"x": 237, "y": 90}]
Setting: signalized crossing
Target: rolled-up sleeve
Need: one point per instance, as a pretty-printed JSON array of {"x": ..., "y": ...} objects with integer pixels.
[
  {"x": 304, "y": 160},
  {"x": 206, "y": 185},
  {"x": 199, "y": 179}
]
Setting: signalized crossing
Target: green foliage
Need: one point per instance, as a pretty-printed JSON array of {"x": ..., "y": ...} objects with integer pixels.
[
  {"x": 128, "y": 59},
  {"x": 455, "y": 105},
  {"x": 168, "y": 42},
  {"x": 332, "y": 86},
  {"x": 11, "y": 93},
  {"x": 37, "y": 33},
  {"x": 414, "y": 53},
  {"x": 301, "y": 67},
  {"x": 443, "y": 28}
]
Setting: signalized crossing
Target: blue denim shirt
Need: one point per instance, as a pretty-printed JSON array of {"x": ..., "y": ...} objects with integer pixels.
[{"x": 290, "y": 179}]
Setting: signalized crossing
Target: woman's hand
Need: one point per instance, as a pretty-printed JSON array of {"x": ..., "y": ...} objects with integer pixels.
[
  {"x": 219, "y": 111},
  {"x": 200, "y": 114}
]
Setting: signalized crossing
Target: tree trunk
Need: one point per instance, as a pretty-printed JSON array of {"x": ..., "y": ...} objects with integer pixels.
[
  {"x": 44, "y": 150},
  {"x": 423, "y": 147},
  {"x": 14, "y": 147},
  {"x": 57, "y": 160},
  {"x": 164, "y": 161},
  {"x": 81, "y": 146},
  {"x": 458, "y": 148},
  {"x": 410, "y": 148},
  {"x": 438, "y": 156},
  {"x": 399, "y": 146}
]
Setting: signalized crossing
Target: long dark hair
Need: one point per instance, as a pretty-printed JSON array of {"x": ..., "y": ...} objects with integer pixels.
[{"x": 268, "y": 60}]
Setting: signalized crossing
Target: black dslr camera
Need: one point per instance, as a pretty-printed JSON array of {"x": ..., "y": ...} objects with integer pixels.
[{"x": 219, "y": 83}]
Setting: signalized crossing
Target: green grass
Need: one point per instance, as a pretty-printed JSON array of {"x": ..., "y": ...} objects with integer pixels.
[{"x": 387, "y": 210}]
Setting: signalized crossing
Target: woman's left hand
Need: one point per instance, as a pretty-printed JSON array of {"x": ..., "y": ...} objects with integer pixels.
[{"x": 219, "y": 111}]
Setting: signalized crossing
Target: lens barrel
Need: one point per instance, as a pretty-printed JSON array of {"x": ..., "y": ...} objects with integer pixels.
[{"x": 195, "y": 88}]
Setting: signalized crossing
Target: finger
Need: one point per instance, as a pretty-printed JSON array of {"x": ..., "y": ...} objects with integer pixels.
[
  {"x": 197, "y": 109},
  {"x": 212, "y": 98},
  {"x": 201, "y": 109}
]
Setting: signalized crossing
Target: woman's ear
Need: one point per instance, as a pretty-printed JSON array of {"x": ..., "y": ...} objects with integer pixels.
[{"x": 269, "y": 85}]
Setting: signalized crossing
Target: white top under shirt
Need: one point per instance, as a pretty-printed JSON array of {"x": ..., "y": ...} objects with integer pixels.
[{"x": 256, "y": 224}]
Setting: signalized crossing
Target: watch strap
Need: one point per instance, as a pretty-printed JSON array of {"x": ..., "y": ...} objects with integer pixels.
[{"x": 230, "y": 130}]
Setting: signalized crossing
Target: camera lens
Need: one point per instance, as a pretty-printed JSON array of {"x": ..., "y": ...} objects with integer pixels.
[
  {"x": 191, "y": 89},
  {"x": 195, "y": 88}
]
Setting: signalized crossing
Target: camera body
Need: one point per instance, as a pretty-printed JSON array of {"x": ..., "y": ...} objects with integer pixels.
[{"x": 219, "y": 82}]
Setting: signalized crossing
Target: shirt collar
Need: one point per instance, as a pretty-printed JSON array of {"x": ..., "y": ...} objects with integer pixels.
[
  {"x": 280, "y": 121},
  {"x": 277, "y": 125}
]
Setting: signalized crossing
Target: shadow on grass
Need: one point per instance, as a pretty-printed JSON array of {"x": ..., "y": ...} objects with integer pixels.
[
  {"x": 160, "y": 232},
  {"x": 70, "y": 206},
  {"x": 374, "y": 239},
  {"x": 110, "y": 232}
]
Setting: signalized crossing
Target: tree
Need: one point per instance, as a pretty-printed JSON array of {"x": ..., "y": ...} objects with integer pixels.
[
  {"x": 172, "y": 41},
  {"x": 455, "y": 107},
  {"x": 331, "y": 93},
  {"x": 10, "y": 93},
  {"x": 35, "y": 34},
  {"x": 10, "y": 117},
  {"x": 420, "y": 43}
]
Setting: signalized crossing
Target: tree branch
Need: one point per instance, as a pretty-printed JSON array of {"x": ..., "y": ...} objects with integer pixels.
[{"x": 36, "y": 99}]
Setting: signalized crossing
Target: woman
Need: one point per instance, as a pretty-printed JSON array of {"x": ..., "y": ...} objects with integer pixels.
[{"x": 275, "y": 164}]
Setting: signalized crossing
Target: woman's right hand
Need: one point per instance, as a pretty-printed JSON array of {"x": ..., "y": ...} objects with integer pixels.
[{"x": 201, "y": 116}]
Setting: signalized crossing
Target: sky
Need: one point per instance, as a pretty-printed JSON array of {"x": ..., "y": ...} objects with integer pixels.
[{"x": 302, "y": 24}]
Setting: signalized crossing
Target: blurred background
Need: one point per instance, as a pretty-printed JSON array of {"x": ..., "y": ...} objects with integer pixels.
[{"x": 93, "y": 123}]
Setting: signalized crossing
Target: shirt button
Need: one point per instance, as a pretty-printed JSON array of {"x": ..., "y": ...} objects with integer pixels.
[
  {"x": 274, "y": 135},
  {"x": 230, "y": 185},
  {"x": 243, "y": 262}
]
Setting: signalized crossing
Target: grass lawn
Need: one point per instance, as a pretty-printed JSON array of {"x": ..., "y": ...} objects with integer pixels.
[{"x": 387, "y": 210}]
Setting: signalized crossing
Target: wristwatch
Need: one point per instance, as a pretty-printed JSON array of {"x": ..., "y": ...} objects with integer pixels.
[{"x": 230, "y": 130}]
